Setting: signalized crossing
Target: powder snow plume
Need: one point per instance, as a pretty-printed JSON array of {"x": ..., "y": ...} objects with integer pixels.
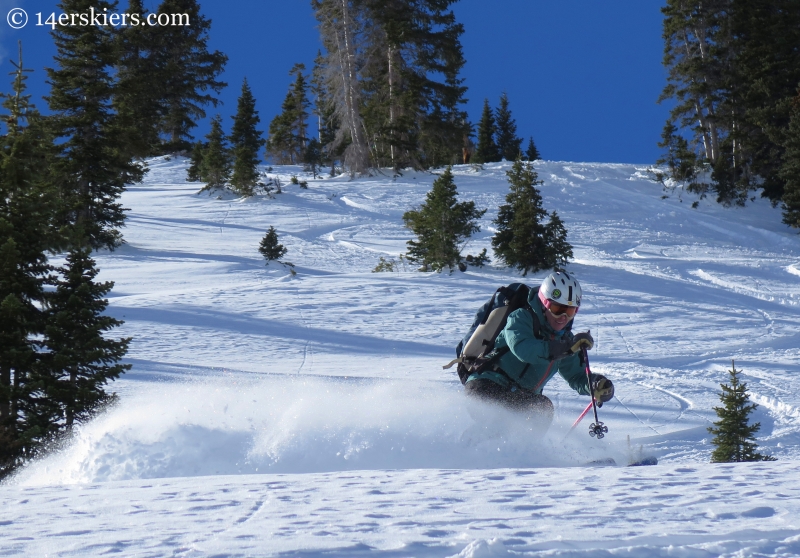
[{"x": 280, "y": 424}]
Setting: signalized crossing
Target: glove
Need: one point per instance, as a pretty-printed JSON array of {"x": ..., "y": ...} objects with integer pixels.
[
  {"x": 581, "y": 340},
  {"x": 602, "y": 388}
]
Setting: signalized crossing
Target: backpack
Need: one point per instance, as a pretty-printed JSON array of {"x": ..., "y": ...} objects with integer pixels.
[{"x": 475, "y": 352}]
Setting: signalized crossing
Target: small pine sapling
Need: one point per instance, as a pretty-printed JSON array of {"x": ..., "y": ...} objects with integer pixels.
[
  {"x": 270, "y": 248},
  {"x": 734, "y": 437}
]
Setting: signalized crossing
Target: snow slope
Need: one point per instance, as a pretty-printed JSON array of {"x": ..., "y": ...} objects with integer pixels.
[{"x": 271, "y": 414}]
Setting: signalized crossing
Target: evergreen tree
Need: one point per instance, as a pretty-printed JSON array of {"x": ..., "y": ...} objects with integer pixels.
[
  {"x": 790, "y": 172},
  {"x": 270, "y": 248},
  {"x": 245, "y": 143},
  {"x": 195, "y": 171},
  {"x": 313, "y": 157},
  {"x": 83, "y": 361},
  {"x": 392, "y": 72},
  {"x": 531, "y": 153},
  {"x": 523, "y": 240},
  {"x": 733, "y": 67},
  {"x": 27, "y": 210},
  {"x": 733, "y": 436},
  {"x": 215, "y": 169},
  {"x": 441, "y": 225},
  {"x": 288, "y": 130},
  {"x": 94, "y": 165},
  {"x": 137, "y": 94},
  {"x": 187, "y": 72},
  {"x": 681, "y": 162},
  {"x": 508, "y": 144},
  {"x": 324, "y": 111},
  {"x": 486, "y": 150}
]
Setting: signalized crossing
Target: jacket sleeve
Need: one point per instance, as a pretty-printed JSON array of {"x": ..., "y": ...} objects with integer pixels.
[
  {"x": 519, "y": 336},
  {"x": 574, "y": 373}
]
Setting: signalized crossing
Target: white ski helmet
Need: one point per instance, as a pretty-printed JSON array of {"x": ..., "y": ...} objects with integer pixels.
[{"x": 561, "y": 287}]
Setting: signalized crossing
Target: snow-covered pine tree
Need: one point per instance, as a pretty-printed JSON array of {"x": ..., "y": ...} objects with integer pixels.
[
  {"x": 246, "y": 142},
  {"x": 215, "y": 169},
  {"x": 531, "y": 153},
  {"x": 187, "y": 72},
  {"x": 270, "y": 248},
  {"x": 441, "y": 225},
  {"x": 522, "y": 239},
  {"x": 94, "y": 165},
  {"x": 27, "y": 211},
  {"x": 508, "y": 143},
  {"x": 734, "y": 438},
  {"x": 80, "y": 358},
  {"x": 486, "y": 151}
]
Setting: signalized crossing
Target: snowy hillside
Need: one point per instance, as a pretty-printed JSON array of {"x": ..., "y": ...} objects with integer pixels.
[{"x": 271, "y": 414}]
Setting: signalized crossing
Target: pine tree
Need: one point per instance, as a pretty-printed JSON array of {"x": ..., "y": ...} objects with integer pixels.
[
  {"x": 392, "y": 72},
  {"x": 790, "y": 172},
  {"x": 94, "y": 166},
  {"x": 441, "y": 225},
  {"x": 523, "y": 240},
  {"x": 195, "y": 171},
  {"x": 245, "y": 143},
  {"x": 138, "y": 95},
  {"x": 27, "y": 233},
  {"x": 82, "y": 360},
  {"x": 531, "y": 153},
  {"x": 486, "y": 150},
  {"x": 288, "y": 130},
  {"x": 270, "y": 248},
  {"x": 733, "y": 436},
  {"x": 312, "y": 158},
  {"x": 187, "y": 72},
  {"x": 327, "y": 124},
  {"x": 508, "y": 144},
  {"x": 215, "y": 169}
]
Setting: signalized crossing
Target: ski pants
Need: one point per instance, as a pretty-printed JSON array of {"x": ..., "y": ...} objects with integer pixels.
[{"x": 535, "y": 405}]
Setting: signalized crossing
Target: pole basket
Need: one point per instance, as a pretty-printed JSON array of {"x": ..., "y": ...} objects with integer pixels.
[{"x": 598, "y": 429}]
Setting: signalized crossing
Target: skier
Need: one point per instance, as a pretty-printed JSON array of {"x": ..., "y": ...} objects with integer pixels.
[{"x": 537, "y": 342}]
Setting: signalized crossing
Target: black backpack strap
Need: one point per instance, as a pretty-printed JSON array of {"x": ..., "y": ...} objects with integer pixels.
[{"x": 537, "y": 327}]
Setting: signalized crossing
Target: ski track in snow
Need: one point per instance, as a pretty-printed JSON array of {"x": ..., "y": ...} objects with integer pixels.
[{"x": 271, "y": 414}]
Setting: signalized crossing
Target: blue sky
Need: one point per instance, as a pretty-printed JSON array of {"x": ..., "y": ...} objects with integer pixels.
[{"x": 582, "y": 76}]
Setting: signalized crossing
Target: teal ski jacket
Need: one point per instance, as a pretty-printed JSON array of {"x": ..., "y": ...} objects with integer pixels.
[{"x": 527, "y": 363}]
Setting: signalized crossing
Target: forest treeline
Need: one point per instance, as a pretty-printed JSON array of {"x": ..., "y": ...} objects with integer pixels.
[
  {"x": 117, "y": 95},
  {"x": 734, "y": 76}
]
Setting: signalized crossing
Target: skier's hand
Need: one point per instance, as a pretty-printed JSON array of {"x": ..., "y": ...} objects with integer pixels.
[
  {"x": 602, "y": 388},
  {"x": 581, "y": 340}
]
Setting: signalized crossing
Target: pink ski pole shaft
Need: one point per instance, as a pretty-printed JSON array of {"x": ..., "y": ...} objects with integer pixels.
[{"x": 580, "y": 418}]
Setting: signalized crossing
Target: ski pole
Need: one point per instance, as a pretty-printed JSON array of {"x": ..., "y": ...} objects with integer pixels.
[
  {"x": 580, "y": 418},
  {"x": 597, "y": 428}
]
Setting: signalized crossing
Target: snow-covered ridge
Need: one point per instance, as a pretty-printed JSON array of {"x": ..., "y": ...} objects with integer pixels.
[{"x": 243, "y": 374}]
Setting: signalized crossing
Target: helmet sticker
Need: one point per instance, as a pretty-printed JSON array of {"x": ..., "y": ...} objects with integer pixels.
[{"x": 556, "y": 293}]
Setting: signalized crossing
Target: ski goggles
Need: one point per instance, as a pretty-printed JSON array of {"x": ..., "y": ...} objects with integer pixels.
[{"x": 557, "y": 309}]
